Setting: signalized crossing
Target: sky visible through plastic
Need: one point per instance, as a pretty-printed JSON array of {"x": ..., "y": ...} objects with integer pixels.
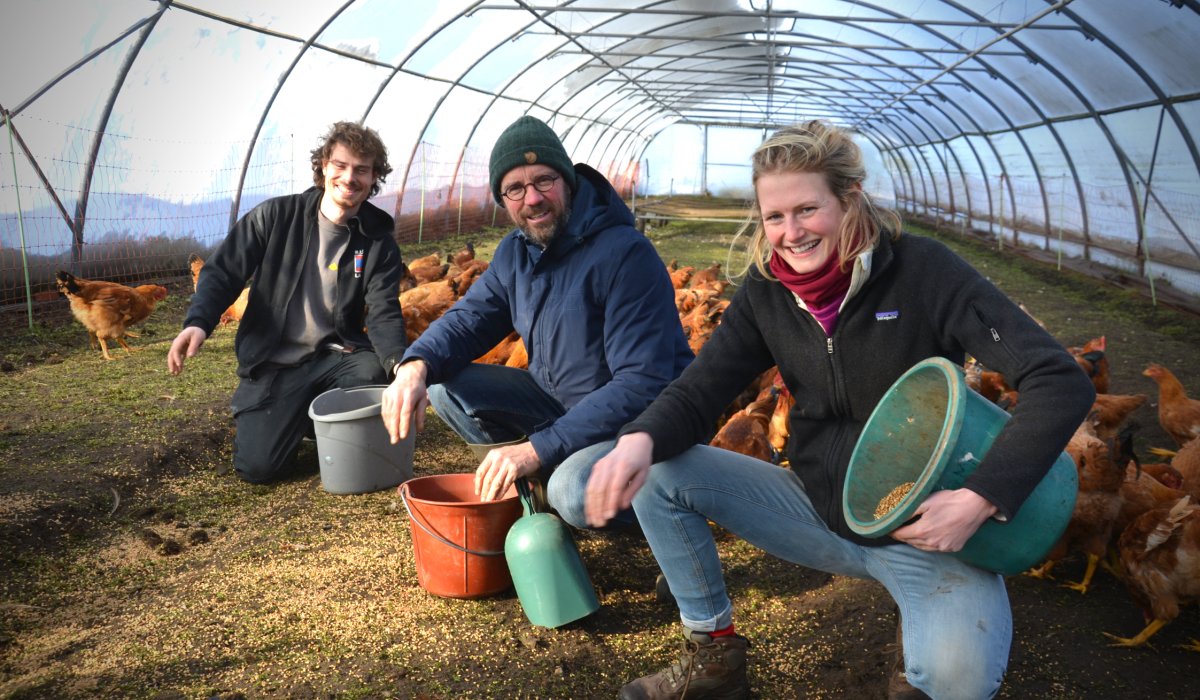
[{"x": 1002, "y": 114}]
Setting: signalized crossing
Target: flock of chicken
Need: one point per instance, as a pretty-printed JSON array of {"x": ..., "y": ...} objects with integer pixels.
[{"x": 1144, "y": 517}]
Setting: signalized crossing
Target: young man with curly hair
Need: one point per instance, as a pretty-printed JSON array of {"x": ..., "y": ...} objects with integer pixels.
[{"x": 317, "y": 258}]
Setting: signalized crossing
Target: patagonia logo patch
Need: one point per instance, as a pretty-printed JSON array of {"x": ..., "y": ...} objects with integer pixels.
[
  {"x": 358, "y": 263},
  {"x": 887, "y": 315}
]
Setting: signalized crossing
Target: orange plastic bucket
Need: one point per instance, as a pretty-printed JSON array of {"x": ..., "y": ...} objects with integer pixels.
[{"x": 458, "y": 540}]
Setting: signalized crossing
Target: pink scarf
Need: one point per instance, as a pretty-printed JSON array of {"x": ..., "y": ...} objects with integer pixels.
[{"x": 822, "y": 291}]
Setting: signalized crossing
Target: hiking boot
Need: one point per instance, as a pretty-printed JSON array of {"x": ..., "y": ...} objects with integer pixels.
[
  {"x": 898, "y": 686},
  {"x": 710, "y": 668}
]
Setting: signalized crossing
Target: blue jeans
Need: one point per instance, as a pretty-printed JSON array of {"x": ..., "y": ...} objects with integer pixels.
[
  {"x": 489, "y": 404},
  {"x": 956, "y": 617}
]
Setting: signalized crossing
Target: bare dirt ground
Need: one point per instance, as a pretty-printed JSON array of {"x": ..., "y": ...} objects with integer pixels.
[
  {"x": 288, "y": 591},
  {"x": 702, "y": 207}
]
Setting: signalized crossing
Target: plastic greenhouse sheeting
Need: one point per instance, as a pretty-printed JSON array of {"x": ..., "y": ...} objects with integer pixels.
[{"x": 142, "y": 128}]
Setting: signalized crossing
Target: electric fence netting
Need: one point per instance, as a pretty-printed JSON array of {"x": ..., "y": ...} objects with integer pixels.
[
  {"x": 140, "y": 225},
  {"x": 134, "y": 236}
]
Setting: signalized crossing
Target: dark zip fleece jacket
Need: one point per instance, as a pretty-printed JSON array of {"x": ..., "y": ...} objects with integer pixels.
[
  {"x": 270, "y": 243},
  {"x": 596, "y": 310},
  {"x": 920, "y": 301}
]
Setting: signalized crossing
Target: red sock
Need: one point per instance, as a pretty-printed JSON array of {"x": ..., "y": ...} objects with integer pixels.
[{"x": 727, "y": 632}]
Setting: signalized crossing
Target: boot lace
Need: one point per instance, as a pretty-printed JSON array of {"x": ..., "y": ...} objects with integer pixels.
[{"x": 695, "y": 655}]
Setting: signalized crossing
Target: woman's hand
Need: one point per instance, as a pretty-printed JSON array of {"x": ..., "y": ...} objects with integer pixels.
[
  {"x": 617, "y": 478},
  {"x": 948, "y": 519}
]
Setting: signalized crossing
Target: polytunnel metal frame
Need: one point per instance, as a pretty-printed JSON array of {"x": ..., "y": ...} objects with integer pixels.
[{"x": 691, "y": 79}]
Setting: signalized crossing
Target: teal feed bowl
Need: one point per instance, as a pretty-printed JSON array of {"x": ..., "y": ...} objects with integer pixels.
[{"x": 931, "y": 430}]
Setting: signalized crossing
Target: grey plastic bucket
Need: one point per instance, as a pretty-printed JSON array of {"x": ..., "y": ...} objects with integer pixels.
[{"x": 353, "y": 446}]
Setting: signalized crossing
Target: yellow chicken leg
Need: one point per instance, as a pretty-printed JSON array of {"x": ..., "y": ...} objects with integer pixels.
[
  {"x": 1113, "y": 564},
  {"x": 1194, "y": 646},
  {"x": 92, "y": 337},
  {"x": 129, "y": 334},
  {"x": 1043, "y": 571},
  {"x": 104, "y": 349},
  {"x": 1142, "y": 638},
  {"x": 1082, "y": 586},
  {"x": 125, "y": 345}
]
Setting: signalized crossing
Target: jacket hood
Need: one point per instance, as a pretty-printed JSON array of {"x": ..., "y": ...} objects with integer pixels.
[{"x": 596, "y": 206}]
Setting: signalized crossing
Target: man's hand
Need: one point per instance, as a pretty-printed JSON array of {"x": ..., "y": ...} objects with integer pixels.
[
  {"x": 405, "y": 400},
  {"x": 502, "y": 467},
  {"x": 948, "y": 519},
  {"x": 617, "y": 478},
  {"x": 186, "y": 344}
]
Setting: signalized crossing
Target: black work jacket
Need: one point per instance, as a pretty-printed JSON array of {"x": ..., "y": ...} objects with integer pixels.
[
  {"x": 270, "y": 244},
  {"x": 920, "y": 301}
]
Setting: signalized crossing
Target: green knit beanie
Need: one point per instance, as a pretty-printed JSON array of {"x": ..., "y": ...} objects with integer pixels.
[{"x": 526, "y": 141}]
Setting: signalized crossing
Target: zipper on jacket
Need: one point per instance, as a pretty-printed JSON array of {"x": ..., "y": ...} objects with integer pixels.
[
  {"x": 829, "y": 344},
  {"x": 986, "y": 323}
]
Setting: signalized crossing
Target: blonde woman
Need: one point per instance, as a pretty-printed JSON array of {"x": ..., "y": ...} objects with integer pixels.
[{"x": 844, "y": 304}]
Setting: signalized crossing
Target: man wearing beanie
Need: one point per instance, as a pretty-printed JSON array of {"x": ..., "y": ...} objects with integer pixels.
[{"x": 595, "y": 307}]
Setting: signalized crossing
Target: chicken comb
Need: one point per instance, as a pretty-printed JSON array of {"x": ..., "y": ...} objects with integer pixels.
[{"x": 780, "y": 386}]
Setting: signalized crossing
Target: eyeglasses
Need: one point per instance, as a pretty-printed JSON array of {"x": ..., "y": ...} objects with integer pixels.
[{"x": 544, "y": 183}]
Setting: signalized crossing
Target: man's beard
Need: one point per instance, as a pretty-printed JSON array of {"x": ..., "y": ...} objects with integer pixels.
[{"x": 545, "y": 234}]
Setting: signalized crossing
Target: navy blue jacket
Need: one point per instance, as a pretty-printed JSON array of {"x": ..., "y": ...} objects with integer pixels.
[{"x": 596, "y": 310}]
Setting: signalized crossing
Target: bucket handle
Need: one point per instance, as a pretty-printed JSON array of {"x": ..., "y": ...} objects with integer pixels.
[{"x": 439, "y": 538}]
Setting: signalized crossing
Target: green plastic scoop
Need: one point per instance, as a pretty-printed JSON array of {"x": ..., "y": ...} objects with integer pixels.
[{"x": 547, "y": 571}]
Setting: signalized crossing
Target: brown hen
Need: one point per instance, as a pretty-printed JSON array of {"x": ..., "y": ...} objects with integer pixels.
[
  {"x": 519, "y": 357},
  {"x": 1101, "y": 468},
  {"x": 407, "y": 280},
  {"x": 434, "y": 259},
  {"x": 237, "y": 309},
  {"x": 707, "y": 275},
  {"x": 1160, "y": 555},
  {"x": 1179, "y": 415},
  {"x": 107, "y": 309},
  {"x": 1140, "y": 493},
  {"x": 503, "y": 350},
  {"x": 1092, "y": 359},
  {"x": 746, "y": 431},
  {"x": 1111, "y": 410},
  {"x": 428, "y": 273},
  {"x": 680, "y": 277},
  {"x": 467, "y": 253},
  {"x": 1185, "y": 463},
  {"x": 780, "y": 428}
]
